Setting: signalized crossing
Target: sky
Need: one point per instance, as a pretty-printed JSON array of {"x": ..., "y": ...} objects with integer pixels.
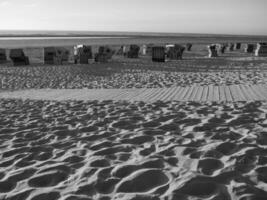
[{"x": 247, "y": 17}]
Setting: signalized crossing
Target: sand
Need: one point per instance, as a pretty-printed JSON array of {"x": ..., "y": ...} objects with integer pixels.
[
  {"x": 134, "y": 150},
  {"x": 119, "y": 150},
  {"x": 121, "y": 76}
]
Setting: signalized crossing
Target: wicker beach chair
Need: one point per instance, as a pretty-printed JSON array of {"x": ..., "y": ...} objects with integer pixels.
[
  {"x": 18, "y": 57},
  {"x": 3, "y": 57},
  {"x": 158, "y": 54}
]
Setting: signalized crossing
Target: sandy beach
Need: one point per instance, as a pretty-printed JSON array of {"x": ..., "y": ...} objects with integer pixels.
[
  {"x": 120, "y": 150},
  {"x": 205, "y": 138}
]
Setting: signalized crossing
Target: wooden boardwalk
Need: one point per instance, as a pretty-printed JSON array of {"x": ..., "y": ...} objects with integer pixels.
[{"x": 193, "y": 93}]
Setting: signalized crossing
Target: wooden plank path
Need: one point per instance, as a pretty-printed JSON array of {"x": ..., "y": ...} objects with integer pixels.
[{"x": 209, "y": 93}]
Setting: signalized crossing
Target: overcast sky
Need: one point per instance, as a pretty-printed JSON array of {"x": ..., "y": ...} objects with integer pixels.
[{"x": 181, "y": 16}]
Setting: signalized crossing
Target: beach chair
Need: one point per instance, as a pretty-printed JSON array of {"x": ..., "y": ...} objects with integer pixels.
[
  {"x": 144, "y": 50},
  {"x": 82, "y": 54},
  {"x": 175, "y": 52},
  {"x": 120, "y": 51},
  {"x": 249, "y": 48},
  {"x": 149, "y": 49},
  {"x": 237, "y": 46},
  {"x": 133, "y": 51},
  {"x": 18, "y": 57},
  {"x": 212, "y": 50},
  {"x": 231, "y": 46},
  {"x": 221, "y": 48},
  {"x": 3, "y": 57},
  {"x": 158, "y": 54},
  {"x": 188, "y": 46},
  {"x": 261, "y": 50},
  {"x": 55, "y": 55},
  {"x": 104, "y": 54}
]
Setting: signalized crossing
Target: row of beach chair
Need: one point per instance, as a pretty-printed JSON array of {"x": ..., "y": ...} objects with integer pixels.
[{"x": 83, "y": 54}]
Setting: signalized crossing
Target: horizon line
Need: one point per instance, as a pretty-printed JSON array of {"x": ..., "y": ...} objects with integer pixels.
[{"x": 126, "y": 32}]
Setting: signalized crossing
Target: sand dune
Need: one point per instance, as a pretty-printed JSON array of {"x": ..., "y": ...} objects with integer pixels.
[{"x": 119, "y": 150}]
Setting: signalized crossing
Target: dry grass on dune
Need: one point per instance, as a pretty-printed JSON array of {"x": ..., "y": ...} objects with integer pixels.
[{"x": 128, "y": 151}]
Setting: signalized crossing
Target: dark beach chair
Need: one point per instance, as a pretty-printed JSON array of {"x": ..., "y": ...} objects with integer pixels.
[
  {"x": 133, "y": 51},
  {"x": 237, "y": 46},
  {"x": 188, "y": 46},
  {"x": 261, "y": 50},
  {"x": 212, "y": 50},
  {"x": 158, "y": 54},
  {"x": 231, "y": 46},
  {"x": 221, "y": 48},
  {"x": 18, "y": 57},
  {"x": 249, "y": 48},
  {"x": 104, "y": 54},
  {"x": 175, "y": 52},
  {"x": 55, "y": 55},
  {"x": 82, "y": 54},
  {"x": 3, "y": 57}
]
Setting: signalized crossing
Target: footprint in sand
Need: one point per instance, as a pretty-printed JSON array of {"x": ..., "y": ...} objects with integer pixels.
[
  {"x": 47, "y": 180},
  {"x": 198, "y": 188},
  {"x": 7, "y": 186},
  {"x": 226, "y": 148},
  {"x": 100, "y": 163},
  {"x": 209, "y": 165},
  {"x": 122, "y": 171},
  {"x": 46, "y": 196},
  {"x": 262, "y": 174},
  {"x": 106, "y": 186},
  {"x": 126, "y": 124},
  {"x": 142, "y": 181},
  {"x": 22, "y": 174}
]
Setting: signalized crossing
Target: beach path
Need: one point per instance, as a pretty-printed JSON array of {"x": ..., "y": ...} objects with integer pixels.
[{"x": 224, "y": 93}]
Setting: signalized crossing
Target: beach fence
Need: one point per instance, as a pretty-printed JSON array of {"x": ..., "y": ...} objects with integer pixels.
[
  {"x": 82, "y": 54},
  {"x": 18, "y": 57},
  {"x": 212, "y": 50},
  {"x": 261, "y": 50},
  {"x": 158, "y": 54},
  {"x": 55, "y": 55},
  {"x": 3, "y": 57}
]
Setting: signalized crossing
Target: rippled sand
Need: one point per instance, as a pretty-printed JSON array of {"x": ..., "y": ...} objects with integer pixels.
[
  {"x": 134, "y": 75},
  {"x": 132, "y": 151}
]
